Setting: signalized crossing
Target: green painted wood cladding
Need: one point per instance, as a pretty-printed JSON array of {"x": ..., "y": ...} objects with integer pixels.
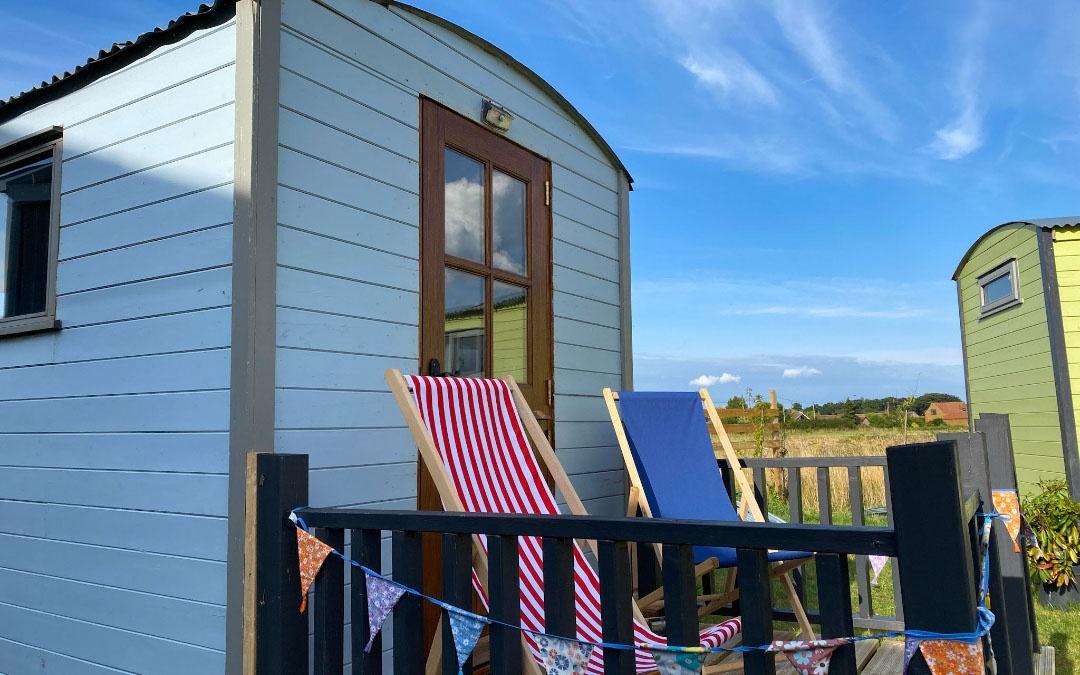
[{"x": 1017, "y": 359}]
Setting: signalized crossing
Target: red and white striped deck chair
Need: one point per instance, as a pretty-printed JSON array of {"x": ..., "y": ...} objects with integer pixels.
[{"x": 473, "y": 436}]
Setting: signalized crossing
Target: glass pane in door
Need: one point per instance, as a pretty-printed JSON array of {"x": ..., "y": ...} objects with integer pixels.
[
  {"x": 508, "y": 223},
  {"x": 509, "y": 331},
  {"x": 464, "y": 324},
  {"x": 463, "y": 190}
]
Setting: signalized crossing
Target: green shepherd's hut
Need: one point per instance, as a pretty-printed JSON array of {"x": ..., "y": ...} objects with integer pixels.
[{"x": 1018, "y": 290}]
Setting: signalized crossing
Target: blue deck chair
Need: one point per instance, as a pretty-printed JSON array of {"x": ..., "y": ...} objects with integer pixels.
[{"x": 673, "y": 473}]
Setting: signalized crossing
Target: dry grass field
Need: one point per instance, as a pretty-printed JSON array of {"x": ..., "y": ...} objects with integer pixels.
[{"x": 842, "y": 443}]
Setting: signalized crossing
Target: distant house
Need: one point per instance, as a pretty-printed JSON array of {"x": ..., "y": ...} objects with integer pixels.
[
  {"x": 862, "y": 420},
  {"x": 955, "y": 414}
]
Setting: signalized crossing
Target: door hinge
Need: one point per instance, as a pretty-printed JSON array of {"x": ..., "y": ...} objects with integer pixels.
[
  {"x": 547, "y": 193},
  {"x": 551, "y": 393}
]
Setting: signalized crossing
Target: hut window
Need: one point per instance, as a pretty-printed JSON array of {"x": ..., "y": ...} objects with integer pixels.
[
  {"x": 1000, "y": 288},
  {"x": 28, "y": 231}
]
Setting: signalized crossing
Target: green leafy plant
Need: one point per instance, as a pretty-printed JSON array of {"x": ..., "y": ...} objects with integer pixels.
[{"x": 1055, "y": 519}]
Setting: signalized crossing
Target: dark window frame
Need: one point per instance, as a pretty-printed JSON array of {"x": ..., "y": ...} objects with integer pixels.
[
  {"x": 1008, "y": 268},
  {"x": 45, "y": 142}
]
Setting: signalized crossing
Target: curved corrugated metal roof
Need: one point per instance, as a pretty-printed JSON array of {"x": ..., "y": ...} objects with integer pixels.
[
  {"x": 116, "y": 57},
  {"x": 522, "y": 70},
  {"x": 124, "y": 53},
  {"x": 1047, "y": 223}
]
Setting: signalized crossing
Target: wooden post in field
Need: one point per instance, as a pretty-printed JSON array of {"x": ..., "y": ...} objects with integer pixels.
[{"x": 774, "y": 422}]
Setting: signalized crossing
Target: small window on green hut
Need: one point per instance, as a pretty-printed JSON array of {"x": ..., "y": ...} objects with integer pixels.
[{"x": 1000, "y": 288}]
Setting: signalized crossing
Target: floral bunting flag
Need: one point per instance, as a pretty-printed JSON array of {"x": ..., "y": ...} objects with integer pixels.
[
  {"x": 947, "y": 657},
  {"x": 466, "y": 628},
  {"x": 911, "y": 645},
  {"x": 312, "y": 554},
  {"x": 562, "y": 656},
  {"x": 382, "y": 595},
  {"x": 809, "y": 657},
  {"x": 678, "y": 662},
  {"x": 1007, "y": 503},
  {"x": 877, "y": 563}
]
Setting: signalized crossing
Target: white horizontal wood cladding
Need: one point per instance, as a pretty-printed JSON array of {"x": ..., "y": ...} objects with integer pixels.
[
  {"x": 115, "y": 429},
  {"x": 348, "y": 277}
]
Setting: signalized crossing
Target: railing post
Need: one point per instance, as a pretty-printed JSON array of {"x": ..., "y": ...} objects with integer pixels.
[
  {"x": 934, "y": 551},
  {"x": 1016, "y": 592},
  {"x": 279, "y": 483},
  {"x": 975, "y": 475},
  {"x": 407, "y": 558}
]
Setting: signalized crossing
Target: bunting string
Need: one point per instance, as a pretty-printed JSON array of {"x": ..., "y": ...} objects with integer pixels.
[{"x": 466, "y": 625}]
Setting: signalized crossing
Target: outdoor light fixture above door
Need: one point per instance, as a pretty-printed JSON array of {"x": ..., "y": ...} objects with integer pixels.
[{"x": 497, "y": 116}]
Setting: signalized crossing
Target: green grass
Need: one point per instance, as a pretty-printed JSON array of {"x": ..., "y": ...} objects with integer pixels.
[{"x": 1061, "y": 629}]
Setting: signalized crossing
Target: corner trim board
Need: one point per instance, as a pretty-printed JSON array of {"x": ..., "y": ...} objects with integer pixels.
[
  {"x": 964, "y": 356},
  {"x": 1060, "y": 360},
  {"x": 251, "y": 401},
  {"x": 626, "y": 332}
]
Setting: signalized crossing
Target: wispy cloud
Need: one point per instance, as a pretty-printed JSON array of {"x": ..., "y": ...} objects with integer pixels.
[
  {"x": 713, "y": 380},
  {"x": 801, "y": 371},
  {"x": 964, "y": 134},
  {"x": 729, "y": 76},
  {"x": 804, "y": 26}
]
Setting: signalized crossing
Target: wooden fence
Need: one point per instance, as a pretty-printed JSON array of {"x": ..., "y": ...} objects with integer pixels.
[
  {"x": 932, "y": 537},
  {"x": 767, "y": 422}
]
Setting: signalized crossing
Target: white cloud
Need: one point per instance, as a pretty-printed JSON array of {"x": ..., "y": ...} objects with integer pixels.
[
  {"x": 964, "y": 135},
  {"x": 713, "y": 380},
  {"x": 801, "y": 371},
  {"x": 730, "y": 76}
]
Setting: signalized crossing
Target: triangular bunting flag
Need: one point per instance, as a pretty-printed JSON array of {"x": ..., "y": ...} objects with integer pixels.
[
  {"x": 382, "y": 595},
  {"x": 312, "y": 553},
  {"x": 911, "y": 645},
  {"x": 678, "y": 662},
  {"x": 946, "y": 657},
  {"x": 466, "y": 628},
  {"x": 1008, "y": 504},
  {"x": 877, "y": 563},
  {"x": 562, "y": 656},
  {"x": 809, "y": 657}
]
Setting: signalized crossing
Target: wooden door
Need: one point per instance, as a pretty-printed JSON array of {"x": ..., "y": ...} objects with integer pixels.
[{"x": 485, "y": 266}]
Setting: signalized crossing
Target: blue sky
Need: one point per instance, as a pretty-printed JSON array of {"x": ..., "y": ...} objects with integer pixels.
[{"x": 807, "y": 174}]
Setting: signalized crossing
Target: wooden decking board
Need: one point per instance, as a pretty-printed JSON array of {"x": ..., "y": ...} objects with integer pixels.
[
  {"x": 865, "y": 651},
  {"x": 888, "y": 659},
  {"x": 1044, "y": 661}
]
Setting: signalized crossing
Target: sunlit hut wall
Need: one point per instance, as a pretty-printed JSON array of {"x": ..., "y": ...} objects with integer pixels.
[{"x": 1019, "y": 305}]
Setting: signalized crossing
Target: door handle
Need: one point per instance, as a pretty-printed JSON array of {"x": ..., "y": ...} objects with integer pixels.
[{"x": 434, "y": 369}]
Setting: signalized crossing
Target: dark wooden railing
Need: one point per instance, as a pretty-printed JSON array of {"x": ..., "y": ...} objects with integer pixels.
[
  {"x": 821, "y": 467},
  {"x": 931, "y": 540}
]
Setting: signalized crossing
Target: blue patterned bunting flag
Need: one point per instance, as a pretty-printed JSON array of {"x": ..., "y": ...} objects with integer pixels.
[
  {"x": 911, "y": 645},
  {"x": 678, "y": 662},
  {"x": 382, "y": 595},
  {"x": 466, "y": 628},
  {"x": 561, "y": 656}
]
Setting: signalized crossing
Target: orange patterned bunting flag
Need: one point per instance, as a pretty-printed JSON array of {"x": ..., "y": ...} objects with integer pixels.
[
  {"x": 946, "y": 657},
  {"x": 1008, "y": 504},
  {"x": 312, "y": 554}
]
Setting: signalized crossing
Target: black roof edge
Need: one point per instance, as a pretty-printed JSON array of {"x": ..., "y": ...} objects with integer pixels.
[
  {"x": 116, "y": 57},
  {"x": 1037, "y": 223}
]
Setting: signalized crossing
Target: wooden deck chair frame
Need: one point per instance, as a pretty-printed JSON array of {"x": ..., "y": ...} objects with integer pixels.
[
  {"x": 451, "y": 502},
  {"x": 747, "y": 506}
]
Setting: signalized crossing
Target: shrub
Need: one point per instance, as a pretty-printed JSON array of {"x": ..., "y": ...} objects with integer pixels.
[{"x": 1055, "y": 519}]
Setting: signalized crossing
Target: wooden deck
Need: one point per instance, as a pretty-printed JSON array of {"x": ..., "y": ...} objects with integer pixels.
[{"x": 872, "y": 657}]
